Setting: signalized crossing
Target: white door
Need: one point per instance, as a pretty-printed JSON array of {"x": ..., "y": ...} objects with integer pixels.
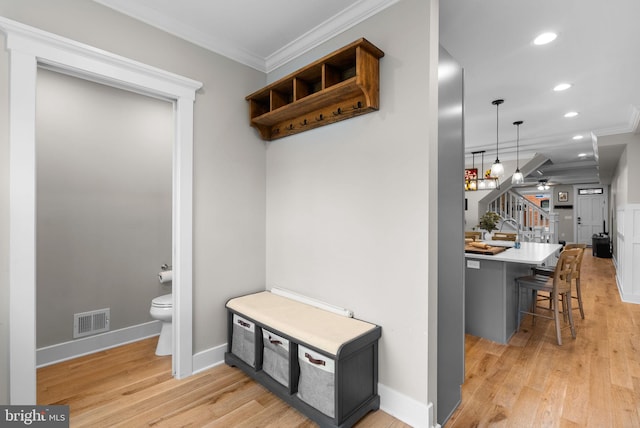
[{"x": 591, "y": 216}]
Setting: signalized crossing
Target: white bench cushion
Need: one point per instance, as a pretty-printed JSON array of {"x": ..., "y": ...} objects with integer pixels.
[{"x": 323, "y": 329}]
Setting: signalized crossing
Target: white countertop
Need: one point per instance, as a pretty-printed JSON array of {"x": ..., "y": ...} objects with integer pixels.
[{"x": 532, "y": 253}]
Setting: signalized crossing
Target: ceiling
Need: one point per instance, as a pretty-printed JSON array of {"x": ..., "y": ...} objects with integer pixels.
[{"x": 597, "y": 51}]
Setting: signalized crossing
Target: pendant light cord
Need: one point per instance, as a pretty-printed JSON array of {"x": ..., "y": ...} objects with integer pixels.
[
  {"x": 497, "y": 104},
  {"x": 518, "y": 146},
  {"x": 497, "y": 128},
  {"x": 517, "y": 124}
]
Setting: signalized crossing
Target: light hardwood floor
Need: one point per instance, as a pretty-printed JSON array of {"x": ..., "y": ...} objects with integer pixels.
[
  {"x": 592, "y": 381},
  {"x": 130, "y": 387}
]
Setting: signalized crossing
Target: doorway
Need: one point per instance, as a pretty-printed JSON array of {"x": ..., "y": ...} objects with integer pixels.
[
  {"x": 103, "y": 213},
  {"x": 28, "y": 49},
  {"x": 591, "y": 213}
]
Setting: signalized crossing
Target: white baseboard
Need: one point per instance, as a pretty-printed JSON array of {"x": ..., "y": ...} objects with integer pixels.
[
  {"x": 408, "y": 410},
  {"x": 209, "y": 358},
  {"x": 398, "y": 405},
  {"x": 88, "y": 345}
]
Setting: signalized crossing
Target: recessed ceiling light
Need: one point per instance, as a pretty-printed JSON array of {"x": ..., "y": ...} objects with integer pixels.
[
  {"x": 578, "y": 137},
  {"x": 562, "y": 87},
  {"x": 582, "y": 155},
  {"x": 545, "y": 38},
  {"x": 571, "y": 114}
]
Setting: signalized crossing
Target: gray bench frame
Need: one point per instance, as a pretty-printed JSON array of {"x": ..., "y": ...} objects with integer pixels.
[{"x": 356, "y": 374}]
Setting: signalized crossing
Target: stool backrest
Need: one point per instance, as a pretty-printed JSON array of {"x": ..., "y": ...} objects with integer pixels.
[
  {"x": 567, "y": 265},
  {"x": 582, "y": 247}
]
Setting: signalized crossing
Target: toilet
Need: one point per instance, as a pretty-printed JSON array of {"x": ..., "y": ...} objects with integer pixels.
[{"x": 162, "y": 309}]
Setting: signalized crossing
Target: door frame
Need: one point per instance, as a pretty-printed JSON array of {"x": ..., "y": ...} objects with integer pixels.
[
  {"x": 30, "y": 48},
  {"x": 576, "y": 196}
]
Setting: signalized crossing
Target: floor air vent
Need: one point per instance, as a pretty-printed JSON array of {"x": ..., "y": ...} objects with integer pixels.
[{"x": 88, "y": 323}]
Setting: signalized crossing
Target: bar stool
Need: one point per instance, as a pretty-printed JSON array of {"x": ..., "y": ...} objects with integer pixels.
[
  {"x": 559, "y": 288},
  {"x": 548, "y": 271}
]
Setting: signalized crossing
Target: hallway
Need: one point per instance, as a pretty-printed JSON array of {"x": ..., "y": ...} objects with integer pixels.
[{"x": 592, "y": 381}]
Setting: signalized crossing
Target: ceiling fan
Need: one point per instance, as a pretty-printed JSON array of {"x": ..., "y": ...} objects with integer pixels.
[{"x": 543, "y": 184}]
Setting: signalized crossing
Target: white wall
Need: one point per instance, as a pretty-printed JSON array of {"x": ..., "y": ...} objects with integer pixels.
[
  {"x": 625, "y": 208},
  {"x": 348, "y": 205},
  {"x": 229, "y": 170}
]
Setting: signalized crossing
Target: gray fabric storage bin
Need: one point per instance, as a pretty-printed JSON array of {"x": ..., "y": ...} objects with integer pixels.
[
  {"x": 275, "y": 357},
  {"x": 316, "y": 386},
  {"x": 243, "y": 340}
]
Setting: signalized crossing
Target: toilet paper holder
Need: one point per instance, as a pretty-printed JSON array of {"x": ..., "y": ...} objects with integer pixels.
[{"x": 165, "y": 267}]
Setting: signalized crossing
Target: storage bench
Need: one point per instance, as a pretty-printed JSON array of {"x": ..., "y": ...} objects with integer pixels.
[{"x": 323, "y": 364}]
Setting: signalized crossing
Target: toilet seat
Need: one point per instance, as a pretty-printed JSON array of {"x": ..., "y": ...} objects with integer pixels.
[{"x": 164, "y": 301}]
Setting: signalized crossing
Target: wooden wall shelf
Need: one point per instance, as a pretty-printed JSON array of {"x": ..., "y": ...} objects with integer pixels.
[{"x": 339, "y": 86}]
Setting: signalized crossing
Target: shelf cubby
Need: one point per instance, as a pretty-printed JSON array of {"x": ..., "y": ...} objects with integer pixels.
[{"x": 336, "y": 87}]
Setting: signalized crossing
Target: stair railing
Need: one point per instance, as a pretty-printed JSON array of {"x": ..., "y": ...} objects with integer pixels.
[{"x": 531, "y": 222}]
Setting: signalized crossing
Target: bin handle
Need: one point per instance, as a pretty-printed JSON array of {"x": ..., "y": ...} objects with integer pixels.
[
  {"x": 242, "y": 323},
  {"x": 313, "y": 360},
  {"x": 274, "y": 341}
]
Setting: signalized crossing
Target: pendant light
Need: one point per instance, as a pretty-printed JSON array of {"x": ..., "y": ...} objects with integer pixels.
[
  {"x": 497, "y": 169},
  {"x": 472, "y": 183},
  {"x": 517, "y": 177},
  {"x": 482, "y": 183}
]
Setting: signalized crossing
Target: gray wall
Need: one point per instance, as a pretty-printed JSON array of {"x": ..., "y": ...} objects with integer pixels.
[
  {"x": 623, "y": 190},
  {"x": 229, "y": 165},
  {"x": 565, "y": 211},
  {"x": 450, "y": 237},
  {"x": 104, "y": 159},
  {"x": 348, "y": 205}
]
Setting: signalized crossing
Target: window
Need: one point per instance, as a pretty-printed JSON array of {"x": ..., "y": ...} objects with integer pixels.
[{"x": 591, "y": 191}]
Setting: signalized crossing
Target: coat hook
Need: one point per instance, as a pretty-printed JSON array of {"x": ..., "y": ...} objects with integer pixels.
[
  {"x": 338, "y": 112},
  {"x": 358, "y": 106},
  {"x": 290, "y": 127},
  {"x": 319, "y": 118},
  {"x": 276, "y": 131},
  {"x": 303, "y": 123}
]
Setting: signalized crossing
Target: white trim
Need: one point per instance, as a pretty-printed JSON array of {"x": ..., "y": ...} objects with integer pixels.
[
  {"x": 627, "y": 252},
  {"x": 348, "y": 18},
  {"x": 27, "y": 48},
  {"x": 209, "y": 358},
  {"x": 313, "y": 302},
  {"x": 88, "y": 345},
  {"x": 173, "y": 26},
  {"x": 407, "y": 409},
  {"x": 22, "y": 234}
]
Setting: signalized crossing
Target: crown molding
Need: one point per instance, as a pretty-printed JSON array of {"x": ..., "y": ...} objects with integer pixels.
[
  {"x": 333, "y": 26},
  {"x": 633, "y": 127},
  {"x": 173, "y": 26},
  {"x": 337, "y": 24}
]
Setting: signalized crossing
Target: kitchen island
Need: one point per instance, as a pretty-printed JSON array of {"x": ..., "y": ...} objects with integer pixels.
[{"x": 491, "y": 292}]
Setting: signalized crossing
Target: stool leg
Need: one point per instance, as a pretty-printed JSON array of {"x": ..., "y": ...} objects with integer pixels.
[
  {"x": 519, "y": 308},
  {"x": 573, "y": 329},
  {"x": 579, "y": 293},
  {"x": 534, "y": 303},
  {"x": 556, "y": 317}
]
